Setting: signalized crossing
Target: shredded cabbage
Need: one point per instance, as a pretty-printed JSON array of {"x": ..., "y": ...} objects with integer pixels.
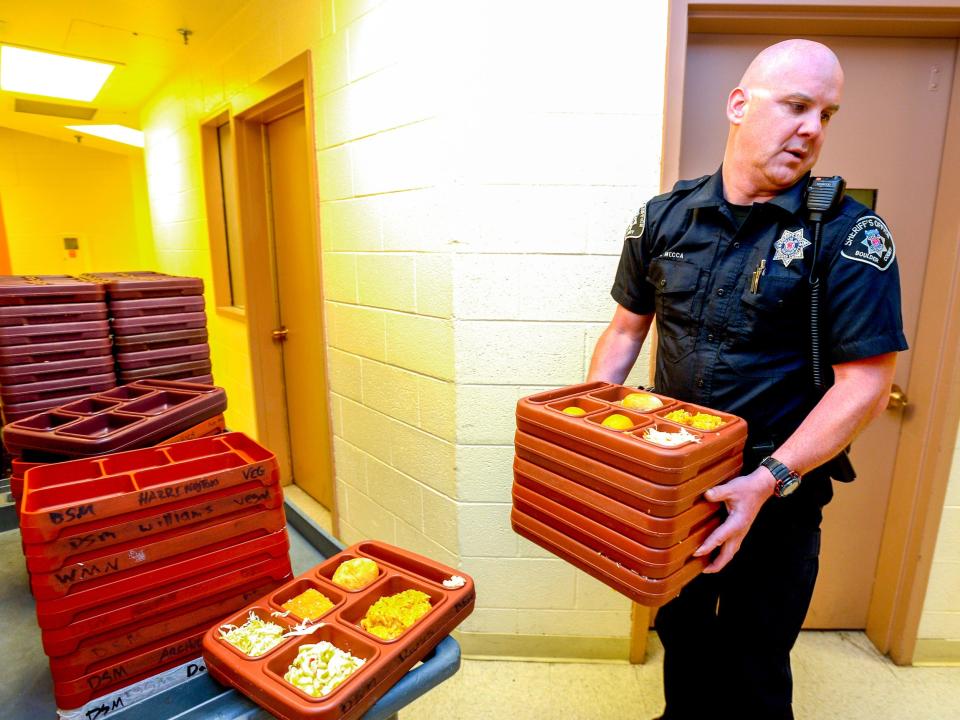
[
  {"x": 319, "y": 668},
  {"x": 255, "y": 637},
  {"x": 454, "y": 582}
]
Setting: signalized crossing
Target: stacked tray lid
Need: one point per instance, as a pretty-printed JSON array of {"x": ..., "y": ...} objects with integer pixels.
[
  {"x": 159, "y": 325},
  {"x": 133, "y": 555},
  {"x": 54, "y": 342},
  {"x": 622, "y": 503},
  {"x": 377, "y": 662}
]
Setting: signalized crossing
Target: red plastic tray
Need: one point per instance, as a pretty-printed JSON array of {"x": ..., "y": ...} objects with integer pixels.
[
  {"x": 123, "y": 622},
  {"x": 54, "y": 333},
  {"x": 158, "y": 588},
  {"x": 47, "y": 289},
  {"x": 542, "y": 415},
  {"x": 128, "y": 361},
  {"x": 11, "y": 315},
  {"x": 157, "y": 340},
  {"x": 96, "y": 568},
  {"x": 129, "y": 416},
  {"x": 61, "y": 496},
  {"x": 261, "y": 678},
  {"x": 52, "y": 352},
  {"x": 655, "y": 532},
  {"x": 156, "y": 306},
  {"x": 57, "y": 370},
  {"x": 159, "y": 323},
  {"x": 643, "y": 590},
  {"x": 174, "y": 371},
  {"x": 36, "y": 391},
  {"x": 94, "y": 544},
  {"x": 138, "y": 284},
  {"x": 663, "y": 501}
]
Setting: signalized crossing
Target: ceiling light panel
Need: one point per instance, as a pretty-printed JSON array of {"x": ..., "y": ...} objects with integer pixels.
[
  {"x": 117, "y": 133},
  {"x": 50, "y": 75}
]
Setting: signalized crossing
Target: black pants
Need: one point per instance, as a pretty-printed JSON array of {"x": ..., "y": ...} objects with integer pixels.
[{"x": 727, "y": 636}]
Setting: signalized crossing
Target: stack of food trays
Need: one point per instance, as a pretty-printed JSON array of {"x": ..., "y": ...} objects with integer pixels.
[
  {"x": 621, "y": 497},
  {"x": 133, "y": 556},
  {"x": 140, "y": 414},
  {"x": 159, "y": 326},
  {"x": 339, "y": 667},
  {"x": 54, "y": 342}
]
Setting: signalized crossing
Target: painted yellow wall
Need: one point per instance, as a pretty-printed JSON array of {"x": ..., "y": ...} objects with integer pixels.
[{"x": 52, "y": 189}]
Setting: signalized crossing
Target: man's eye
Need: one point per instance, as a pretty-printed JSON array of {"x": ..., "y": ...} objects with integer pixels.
[
  {"x": 798, "y": 107},
  {"x": 825, "y": 118}
]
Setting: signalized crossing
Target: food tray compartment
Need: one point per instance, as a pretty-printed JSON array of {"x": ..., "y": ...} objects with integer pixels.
[
  {"x": 128, "y": 361},
  {"x": 46, "y": 422},
  {"x": 334, "y": 593},
  {"x": 239, "y": 618},
  {"x": 50, "y": 506},
  {"x": 43, "y": 314},
  {"x": 158, "y": 340},
  {"x": 564, "y": 392},
  {"x": 175, "y": 371},
  {"x": 728, "y": 420},
  {"x": 586, "y": 404},
  {"x": 660, "y": 500},
  {"x": 47, "y": 290},
  {"x": 37, "y": 391},
  {"x": 616, "y": 393},
  {"x": 668, "y": 427},
  {"x": 21, "y": 411},
  {"x": 642, "y": 559},
  {"x": 156, "y": 306},
  {"x": 64, "y": 623},
  {"x": 624, "y": 449},
  {"x": 127, "y": 669},
  {"x": 54, "y": 333},
  {"x": 140, "y": 414},
  {"x": 642, "y": 590},
  {"x": 54, "y": 351},
  {"x": 138, "y": 284},
  {"x": 262, "y": 679},
  {"x": 326, "y": 570},
  {"x": 635, "y": 524},
  {"x": 406, "y": 562},
  {"x": 159, "y": 323}
]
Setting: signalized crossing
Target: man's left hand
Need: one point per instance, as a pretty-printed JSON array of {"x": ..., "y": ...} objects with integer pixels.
[{"x": 743, "y": 496}]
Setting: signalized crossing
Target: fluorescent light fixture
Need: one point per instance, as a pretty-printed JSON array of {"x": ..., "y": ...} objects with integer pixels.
[
  {"x": 59, "y": 76},
  {"x": 117, "y": 133}
]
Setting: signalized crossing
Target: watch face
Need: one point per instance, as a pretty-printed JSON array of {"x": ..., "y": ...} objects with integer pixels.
[{"x": 785, "y": 487}]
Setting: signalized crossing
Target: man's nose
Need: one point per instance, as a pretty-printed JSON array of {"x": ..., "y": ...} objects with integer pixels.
[{"x": 811, "y": 125}]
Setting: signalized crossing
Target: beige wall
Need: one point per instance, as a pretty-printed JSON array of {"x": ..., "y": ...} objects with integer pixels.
[{"x": 51, "y": 190}]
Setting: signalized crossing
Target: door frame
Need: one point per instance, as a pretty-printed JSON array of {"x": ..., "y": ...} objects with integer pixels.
[
  {"x": 285, "y": 90},
  {"x": 925, "y": 450}
]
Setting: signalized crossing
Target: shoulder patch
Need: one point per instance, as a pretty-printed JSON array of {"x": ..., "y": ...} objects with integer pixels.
[
  {"x": 636, "y": 227},
  {"x": 870, "y": 242}
]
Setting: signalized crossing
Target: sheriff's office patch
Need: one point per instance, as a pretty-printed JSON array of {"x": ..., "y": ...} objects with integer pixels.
[
  {"x": 871, "y": 243},
  {"x": 636, "y": 227},
  {"x": 790, "y": 246}
]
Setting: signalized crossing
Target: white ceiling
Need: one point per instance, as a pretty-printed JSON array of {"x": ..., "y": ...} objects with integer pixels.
[{"x": 140, "y": 34}]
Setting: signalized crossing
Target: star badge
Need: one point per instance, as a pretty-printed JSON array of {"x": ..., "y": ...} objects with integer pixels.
[
  {"x": 790, "y": 246},
  {"x": 873, "y": 242}
]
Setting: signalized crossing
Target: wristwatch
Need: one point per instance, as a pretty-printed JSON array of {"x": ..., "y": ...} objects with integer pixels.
[{"x": 787, "y": 480}]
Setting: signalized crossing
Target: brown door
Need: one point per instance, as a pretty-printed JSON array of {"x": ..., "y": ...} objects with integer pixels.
[
  {"x": 299, "y": 320},
  {"x": 887, "y": 138}
]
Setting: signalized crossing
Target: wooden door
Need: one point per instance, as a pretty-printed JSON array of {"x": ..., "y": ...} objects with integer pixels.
[
  {"x": 300, "y": 321},
  {"x": 887, "y": 137}
]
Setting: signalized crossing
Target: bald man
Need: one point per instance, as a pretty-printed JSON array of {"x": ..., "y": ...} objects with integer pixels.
[{"x": 723, "y": 263}]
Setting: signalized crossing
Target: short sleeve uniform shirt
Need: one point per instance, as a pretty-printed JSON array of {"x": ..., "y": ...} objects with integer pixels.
[{"x": 741, "y": 346}]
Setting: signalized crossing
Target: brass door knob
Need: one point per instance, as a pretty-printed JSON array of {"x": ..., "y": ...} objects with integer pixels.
[
  {"x": 898, "y": 398},
  {"x": 280, "y": 334}
]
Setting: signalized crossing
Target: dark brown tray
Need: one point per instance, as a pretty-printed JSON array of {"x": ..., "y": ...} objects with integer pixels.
[
  {"x": 157, "y": 340},
  {"x": 47, "y": 290},
  {"x": 12, "y": 315},
  {"x": 128, "y": 361},
  {"x": 159, "y": 323},
  {"x": 54, "y": 351},
  {"x": 156, "y": 306},
  {"x": 129, "y": 416},
  {"x": 54, "y": 333},
  {"x": 173, "y": 371},
  {"x": 60, "y": 369},
  {"x": 139, "y": 284},
  {"x": 35, "y": 391}
]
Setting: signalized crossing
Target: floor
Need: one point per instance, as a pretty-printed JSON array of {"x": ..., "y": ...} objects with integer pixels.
[{"x": 836, "y": 675}]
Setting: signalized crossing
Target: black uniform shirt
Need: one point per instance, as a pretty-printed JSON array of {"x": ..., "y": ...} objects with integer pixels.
[{"x": 744, "y": 349}]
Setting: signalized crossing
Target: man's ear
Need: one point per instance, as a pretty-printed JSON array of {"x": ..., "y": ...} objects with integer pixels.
[{"x": 737, "y": 105}]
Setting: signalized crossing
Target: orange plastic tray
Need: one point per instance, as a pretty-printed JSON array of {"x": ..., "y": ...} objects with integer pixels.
[
  {"x": 68, "y": 494},
  {"x": 385, "y": 661},
  {"x": 658, "y": 500},
  {"x": 635, "y": 524},
  {"x": 542, "y": 415},
  {"x": 643, "y": 590}
]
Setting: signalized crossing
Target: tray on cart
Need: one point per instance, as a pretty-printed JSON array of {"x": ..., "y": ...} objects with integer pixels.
[{"x": 47, "y": 290}]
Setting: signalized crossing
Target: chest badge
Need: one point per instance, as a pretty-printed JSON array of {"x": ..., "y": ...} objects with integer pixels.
[{"x": 790, "y": 246}]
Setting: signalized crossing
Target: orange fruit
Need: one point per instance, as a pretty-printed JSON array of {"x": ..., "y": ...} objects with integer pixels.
[
  {"x": 617, "y": 422},
  {"x": 574, "y": 410}
]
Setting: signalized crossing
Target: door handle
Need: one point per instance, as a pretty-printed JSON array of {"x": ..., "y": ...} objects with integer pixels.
[
  {"x": 898, "y": 398},
  {"x": 280, "y": 334}
]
